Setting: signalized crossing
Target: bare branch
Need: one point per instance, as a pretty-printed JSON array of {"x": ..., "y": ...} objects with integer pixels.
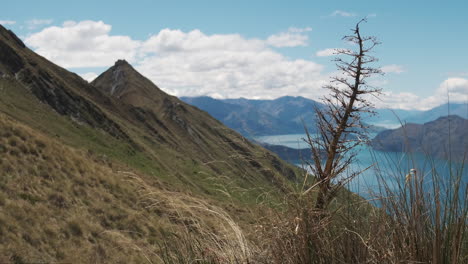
[{"x": 339, "y": 123}]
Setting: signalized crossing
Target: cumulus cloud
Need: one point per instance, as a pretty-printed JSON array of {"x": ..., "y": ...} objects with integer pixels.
[
  {"x": 393, "y": 68},
  {"x": 193, "y": 63},
  {"x": 187, "y": 63},
  {"x": 7, "y": 22},
  {"x": 326, "y": 53},
  {"x": 402, "y": 100},
  {"x": 343, "y": 13},
  {"x": 455, "y": 88},
  {"x": 89, "y": 76},
  {"x": 294, "y": 37},
  {"x": 82, "y": 44}
]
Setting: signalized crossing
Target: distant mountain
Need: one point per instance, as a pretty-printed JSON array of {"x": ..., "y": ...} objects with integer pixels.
[
  {"x": 393, "y": 118},
  {"x": 285, "y": 115},
  {"x": 390, "y": 118},
  {"x": 458, "y": 109},
  {"x": 443, "y": 138}
]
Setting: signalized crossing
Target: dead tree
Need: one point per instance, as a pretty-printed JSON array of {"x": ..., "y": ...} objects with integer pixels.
[{"x": 339, "y": 125}]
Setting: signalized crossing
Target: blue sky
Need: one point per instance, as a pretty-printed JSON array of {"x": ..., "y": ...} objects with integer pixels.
[{"x": 255, "y": 49}]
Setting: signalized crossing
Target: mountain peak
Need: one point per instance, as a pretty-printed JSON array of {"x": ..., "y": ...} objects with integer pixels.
[
  {"x": 121, "y": 63},
  {"x": 122, "y": 81},
  {"x": 123, "y": 66},
  {"x": 115, "y": 80}
]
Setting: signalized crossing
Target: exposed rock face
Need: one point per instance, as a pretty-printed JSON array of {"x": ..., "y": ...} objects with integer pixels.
[
  {"x": 12, "y": 61},
  {"x": 444, "y": 138},
  {"x": 47, "y": 82},
  {"x": 8, "y": 34}
]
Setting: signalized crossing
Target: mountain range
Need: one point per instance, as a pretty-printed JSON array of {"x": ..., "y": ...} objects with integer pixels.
[
  {"x": 105, "y": 171},
  {"x": 396, "y": 117},
  {"x": 287, "y": 115}
]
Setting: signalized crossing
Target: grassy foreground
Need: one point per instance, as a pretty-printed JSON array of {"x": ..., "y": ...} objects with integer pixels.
[{"x": 416, "y": 220}]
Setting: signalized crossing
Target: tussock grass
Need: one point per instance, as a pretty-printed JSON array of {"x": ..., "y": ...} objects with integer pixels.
[
  {"x": 209, "y": 232},
  {"x": 422, "y": 220},
  {"x": 61, "y": 204},
  {"x": 427, "y": 214}
]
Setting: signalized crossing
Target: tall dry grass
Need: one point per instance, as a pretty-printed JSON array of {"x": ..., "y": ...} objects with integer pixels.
[
  {"x": 427, "y": 214},
  {"x": 422, "y": 220},
  {"x": 203, "y": 233}
]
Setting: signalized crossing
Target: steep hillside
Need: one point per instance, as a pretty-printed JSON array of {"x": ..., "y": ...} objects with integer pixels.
[
  {"x": 99, "y": 172},
  {"x": 67, "y": 205},
  {"x": 444, "y": 138}
]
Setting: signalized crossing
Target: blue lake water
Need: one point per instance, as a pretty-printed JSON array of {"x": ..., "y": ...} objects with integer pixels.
[{"x": 391, "y": 166}]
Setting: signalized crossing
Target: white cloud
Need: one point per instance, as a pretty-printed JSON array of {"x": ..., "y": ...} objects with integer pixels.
[
  {"x": 326, "y": 53},
  {"x": 169, "y": 41},
  {"x": 193, "y": 63},
  {"x": 7, "y": 22},
  {"x": 35, "y": 23},
  {"x": 403, "y": 100},
  {"x": 186, "y": 63},
  {"x": 294, "y": 37},
  {"x": 456, "y": 88},
  {"x": 89, "y": 76},
  {"x": 343, "y": 13},
  {"x": 393, "y": 68},
  {"x": 82, "y": 44}
]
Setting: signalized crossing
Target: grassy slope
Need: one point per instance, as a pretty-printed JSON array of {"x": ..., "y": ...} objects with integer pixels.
[
  {"x": 185, "y": 146},
  {"x": 60, "y": 203},
  {"x": 72, "y": 192},
  {"x": 63, "y": 199}
]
